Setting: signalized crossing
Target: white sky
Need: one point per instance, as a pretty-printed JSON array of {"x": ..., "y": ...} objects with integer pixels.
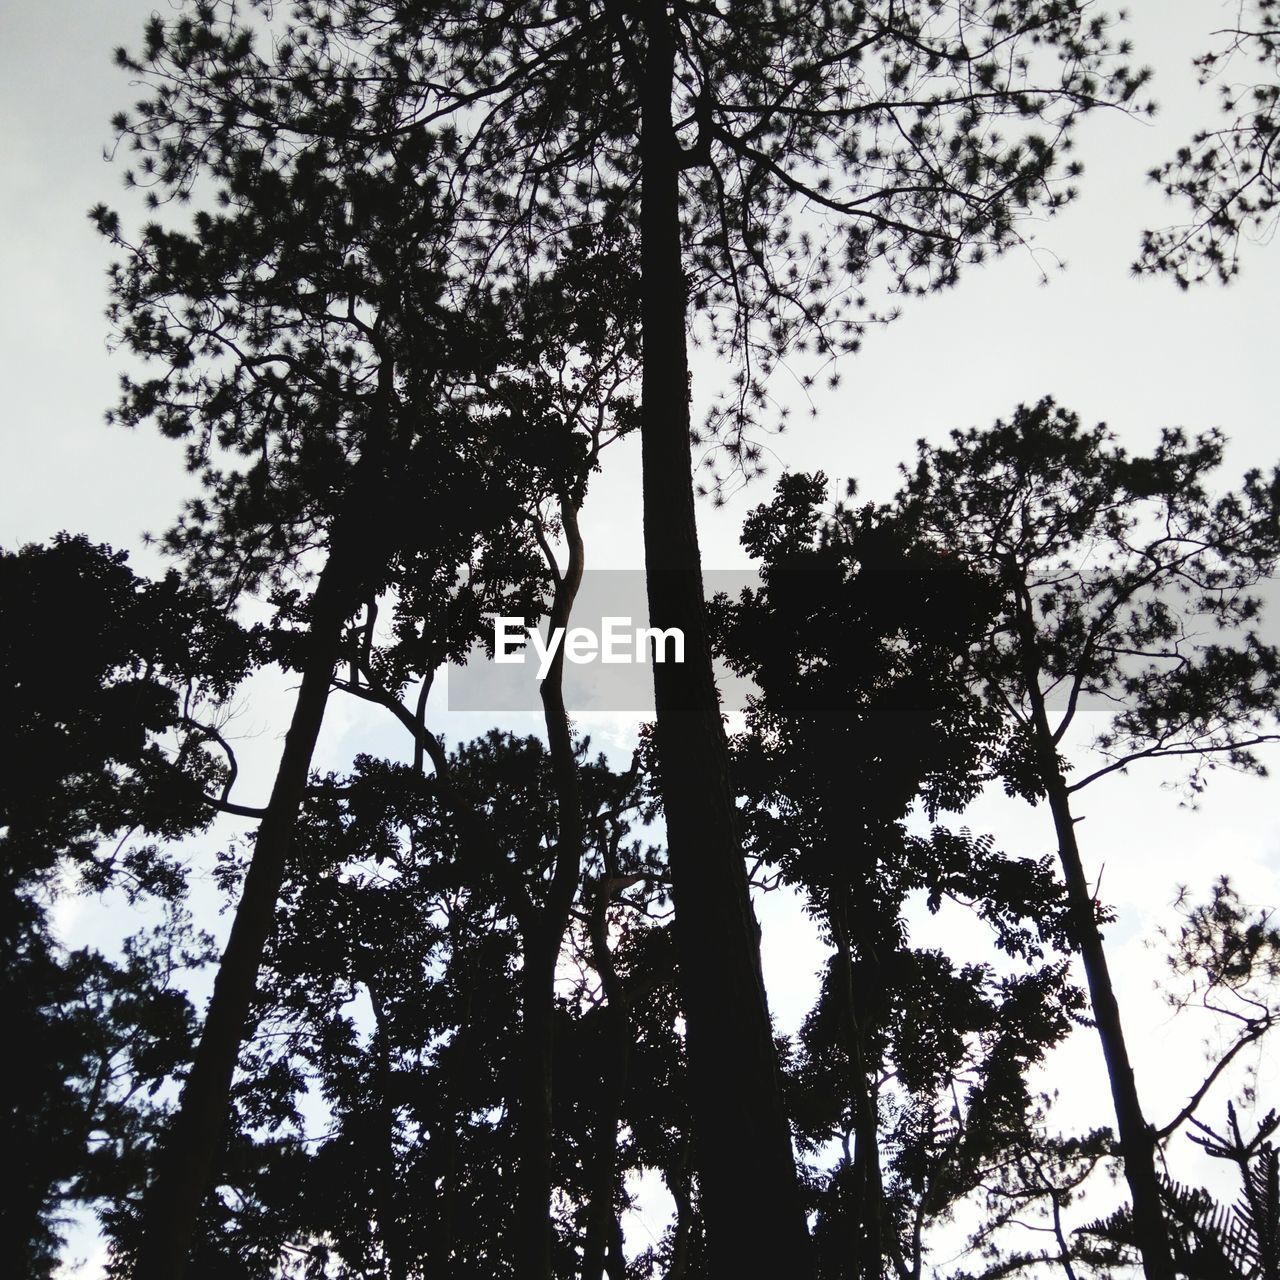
[{"x": 1138, "y": 354}]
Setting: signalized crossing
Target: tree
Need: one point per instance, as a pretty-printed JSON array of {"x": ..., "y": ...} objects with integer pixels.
[
  {"x": 103, "y": 670},
  {"x": 856, "y": 643},
  {"x": 1108, "y": 562},
  {"x": 1223, "y": 959},
  {"x": 413, "y": 1106},
  {"x": 704, "y": 130},
  {"x": 331, "y": 382},
  {"x": 710, "y": 129},
  {"x": 1227, "y": 175},
  {"x": 573, "y": 356}
]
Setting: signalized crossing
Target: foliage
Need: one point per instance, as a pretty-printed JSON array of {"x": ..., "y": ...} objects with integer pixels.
[
  {"x": 815, "y": 148},
  {"x": 1227, "y": 175},
  {"x": 1213, "y": 1240},
  {"x": 374, "y": 1105},
  {"x": 1141, "y": 588},
  {"x": 857, "y": 641},
  {"x": 105, "y": 671}
]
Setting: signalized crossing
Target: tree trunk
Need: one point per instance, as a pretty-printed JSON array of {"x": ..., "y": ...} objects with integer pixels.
[
  {"x": 599, "y": 1248},
  {"x": 542, "y": 942},
  {"x": 679, "y": 1180},
  {"x": 443, "y": 1151},
  {"x": 532, "y": 1233},
  {"x": 185, "y": 1167},
  {"x": 394, "y": 1251},
  {"x": 866, "y": 1257},
  {"x": 743, "y": 1143},
  {"x": 1137, "y": 1139}
]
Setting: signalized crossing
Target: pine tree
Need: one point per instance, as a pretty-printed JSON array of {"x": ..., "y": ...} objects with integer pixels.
[
  {"x": 1107, "y": 562},
  {"x": 725, "y": 136},
  {"x": 330, "y": 381},
  {"x": 913, "y": 138}
]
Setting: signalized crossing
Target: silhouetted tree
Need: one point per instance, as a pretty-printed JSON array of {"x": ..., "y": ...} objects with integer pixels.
[
  {"x": 1108, "y": 561},
  {"x": 704, "y": 130},
  {"x": 857, "y": 643},
  {"x": 103, "y": 671},
  {"x": 720, "y": 124},
  {"x": 1224, "y": 959},
  {"x": 391, "y": 1004},
  {"x": 574, "y": 359},
  {"x": 331, "y": 383}
]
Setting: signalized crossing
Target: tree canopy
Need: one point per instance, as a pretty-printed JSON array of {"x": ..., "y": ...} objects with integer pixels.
[{"x": 498, "y": 1007}]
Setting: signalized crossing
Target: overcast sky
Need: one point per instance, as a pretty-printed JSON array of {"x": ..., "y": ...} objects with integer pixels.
[{"x": 1138, "y": 354}]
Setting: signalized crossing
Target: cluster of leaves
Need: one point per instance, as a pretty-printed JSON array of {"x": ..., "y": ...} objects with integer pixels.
[
  {"x": 1142, "y": 589},
  {"x": 815, "y": 148},
  {"x": 1228, "y": 175},
  {"x": 374, "y": 1111},
  {"x": 1216, "y": 1240},
  {"x": 106, "y": 673}
]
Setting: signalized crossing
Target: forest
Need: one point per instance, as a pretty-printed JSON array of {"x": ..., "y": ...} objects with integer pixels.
[{"x": 406, "y": 286}]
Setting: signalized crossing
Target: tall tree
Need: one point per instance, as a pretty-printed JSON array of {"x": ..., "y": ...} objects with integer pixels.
[
  {"x": 419, "y": 1166},
  {"x": 857, "y": 642},
  {"x": 329, "y": 377},
  {"x": 771, "y": 158},
  {"x": 1108, "y": 562},
  {"x": 1224, "y": 958},
  {"x": 576, "y": 357},
  {"x": 708, "y": 131}
]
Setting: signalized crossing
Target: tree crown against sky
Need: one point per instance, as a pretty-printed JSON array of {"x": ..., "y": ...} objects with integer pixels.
[
  {"x": 908, "y": 1078},
  {"x": 309, "y": 485},
  {"x": 100, "y": 666},
  {"x": 822, "y": 150},
  {"x": 1125, "y": 582},
  {"x": 1145, "y": 587},
  {"x": 105, "y": 672}
]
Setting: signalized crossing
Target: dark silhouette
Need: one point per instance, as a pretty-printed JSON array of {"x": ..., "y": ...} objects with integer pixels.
[
  {"x": 857, "y": 641},
  {"x": 1106, "y": 560},
  {"x": 701, "y": 128},
  {"x": 1228, "y": 175},
  {"x": 704, "y": 129},
  {"x": 360, "y": 434},
  {"x": 102, "y": 670}
]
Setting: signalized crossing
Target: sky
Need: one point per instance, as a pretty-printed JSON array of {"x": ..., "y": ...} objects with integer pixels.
[{"x": 1136, "y": 353}]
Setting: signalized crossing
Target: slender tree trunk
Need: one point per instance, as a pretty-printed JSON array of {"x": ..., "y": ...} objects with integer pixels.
[
  {"x": 393, "y": 1245},
  {"x": 744, "y": 1156},
  {"x": 445, "y": 1164},
  {"x": 679, "y": 1182},
  {"x": 1137, "y": 1139},
  {"x": 533, "y": 1233},
  {"x": 186, "y": 1164},
  {"x": 615, "y": 1266},
  {"x": 602, "y": 1218},
  {"x": 542, "y": 943},
  {"x": 866, "y": 1257},
  {"x": 542, "y": 926}
]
